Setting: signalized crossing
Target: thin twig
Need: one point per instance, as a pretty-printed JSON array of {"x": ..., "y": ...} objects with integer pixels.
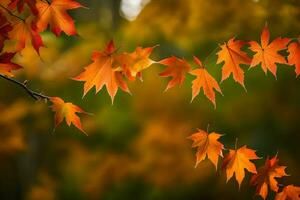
[
  {"x": 209, "y": 55},
  {"x": 12, "y": 14},
  {"x": 31, "y": 93}
]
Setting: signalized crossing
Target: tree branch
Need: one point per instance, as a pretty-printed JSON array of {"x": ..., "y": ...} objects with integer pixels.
[
  {"x": 35, "y": 95},
  {"x": 12, "y": 14}
]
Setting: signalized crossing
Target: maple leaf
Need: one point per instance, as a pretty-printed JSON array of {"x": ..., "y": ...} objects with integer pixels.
[
  {"x": 132, "y": 64},
  {"x": 266, "y": 177},
  {"x": 294, "y": 56},
  {"x": 19, "y": 4},
  {"x": 176, "y": 68},
  {"x": 208, "y": 145},
  {"x": 6, "y": 66},
  {"x": 266, "y": 53},
  {"x": 204, "y": 80},
  {"x": 55, "y": 15},
  {"x": 24, "y": 31},
  {"x": 289, "y": 192},
  {"x": 67, "y": 111},
  {"x": 237, "y": 160},
  {"x": 232, "y": 56},
  {"x": 5, "y": 27},
  {"x": 102, "y": 72}
]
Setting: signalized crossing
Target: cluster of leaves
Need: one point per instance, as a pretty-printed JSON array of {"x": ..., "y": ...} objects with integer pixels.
[
  {"x": 239, "y": 159},
  {"x": 111, "y": 68},
  {"x": 42, "y": 14}
]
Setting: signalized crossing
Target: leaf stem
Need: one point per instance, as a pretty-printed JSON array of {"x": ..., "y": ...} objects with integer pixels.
[
  {"x": 35, "y": 95},
  {"x": 207, "y": 128},
  {"x": 209, "y": 55},
  {"x": 236, "y": 142}
]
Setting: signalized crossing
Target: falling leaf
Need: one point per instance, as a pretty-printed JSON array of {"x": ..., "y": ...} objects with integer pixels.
[
  {"x": 232, "y": 56},
  {"x": 24, "y": 31},
  {"x": 134, "y": 63},
  {"x": 294, "y": 56},
  {"x": 289, "y": 192},
  {"x": 237, "y": 160},
  {"x": 19, "y": 4},
  {"x": 54, "y": 14},
  {"x": 102, "y": 72},
  {"x": 5, "y": 27},
  {"x": 267, "y": 53},
  {"x": 206, "y": 81},
  {"x": 176, "y": 68},
  {"x": 68, "y": 111},
  {"x": 208, "y": 145},
  {"x": 6, "y": 66},
  {"x": 266, "y": 177}
]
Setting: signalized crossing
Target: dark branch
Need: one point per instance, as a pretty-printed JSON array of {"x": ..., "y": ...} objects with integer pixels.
[
  {"x": 33, "y": 94},
  {"x": 9, "y": 12}
]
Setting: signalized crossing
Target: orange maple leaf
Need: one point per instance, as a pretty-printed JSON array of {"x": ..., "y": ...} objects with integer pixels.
[
  {"x": 237, "y": 160},
  {"x": 289, "y": 192},
  {"x": 24, "y": 31},
  {"x": 204, "y": 80},
  {"x": 132, "y": 64},
  {"x": 176, "y": 68},
  {"x": 232, "y": 56},
  {"x": 6, "y": 66},
  {"x": 55, "y": 15},
  {"x": 266, "y": 177},
  {"x": 294, "y": 56},
  {"x": 102, "y": 72},
  {"x": 68, "y": 111},
  {"x": 208, "y": 145},
  {"x": 267, "y": 53}
]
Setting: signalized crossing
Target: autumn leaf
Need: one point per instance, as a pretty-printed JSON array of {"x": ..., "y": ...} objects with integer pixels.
[
  {"x": 102, "y": 72},
  {"x": 132, "y": 64},
  {"x": 54, "y": 14},
  {"x": 176, "y": 68},
  {"x": 237, "y": 160},
  {"x": 208, "y": 145},
  {"x": 204, "y": 80},
  {"x": 266, "y": 53},
  {"x": 67, "y": 111},
  {"x": 5, "y": 27},
  {"x": 266, "y": 177},
  {"x": 289, "y": 192},
  {"x": 294, "y": 56},
  {"x": 24, "y": 31},
  {"x": 19, "y": 4},
  {"x": 6, "y": 66},
  {"x": 232, "y": 56}
]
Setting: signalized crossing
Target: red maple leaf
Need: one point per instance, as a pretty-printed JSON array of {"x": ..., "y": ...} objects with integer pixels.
[
  {"x": 5, "y": 27},
  {"x": 6, "y": 66}
]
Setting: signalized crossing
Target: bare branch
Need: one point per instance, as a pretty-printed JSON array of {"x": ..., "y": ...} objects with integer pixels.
[{"x": 35, "y": 95}]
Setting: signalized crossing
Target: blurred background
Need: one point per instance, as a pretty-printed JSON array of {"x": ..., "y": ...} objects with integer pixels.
[{"x": 137, "y": 148}]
